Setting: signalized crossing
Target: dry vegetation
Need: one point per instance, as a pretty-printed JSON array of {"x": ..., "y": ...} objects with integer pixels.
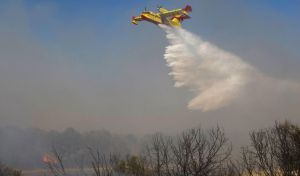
[
  {"x": 273, "y": 151},
  {"x": 8, "y": 171}
]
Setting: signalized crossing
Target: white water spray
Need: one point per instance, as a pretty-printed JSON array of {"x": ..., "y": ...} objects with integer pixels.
[{"x": 214, "y": 75}]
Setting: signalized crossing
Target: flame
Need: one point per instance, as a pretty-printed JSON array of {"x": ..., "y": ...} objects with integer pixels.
[{"x": 48, "y": 159}]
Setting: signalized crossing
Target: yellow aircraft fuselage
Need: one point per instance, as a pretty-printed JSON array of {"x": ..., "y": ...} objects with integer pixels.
[{"x": 172, "y": 18}]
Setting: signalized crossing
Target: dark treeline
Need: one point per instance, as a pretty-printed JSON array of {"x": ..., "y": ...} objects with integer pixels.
[
  {"x": 25, "y": 148},
  {"x": 273, "y": 151}
]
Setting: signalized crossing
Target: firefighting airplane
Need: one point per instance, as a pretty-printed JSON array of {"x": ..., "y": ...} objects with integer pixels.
[{"x": 172, "y": 18}]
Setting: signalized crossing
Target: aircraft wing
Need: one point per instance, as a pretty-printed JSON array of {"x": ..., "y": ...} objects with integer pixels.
[
  {"x": 184, "y": 11},
  {"x": 162, "y": 10},
  {"x": 172, "y": 13}
]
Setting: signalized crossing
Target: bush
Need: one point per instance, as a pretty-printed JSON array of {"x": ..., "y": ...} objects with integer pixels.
[
  {"x": 133, "y": 165},
  {"x": 7, "y": 171}
]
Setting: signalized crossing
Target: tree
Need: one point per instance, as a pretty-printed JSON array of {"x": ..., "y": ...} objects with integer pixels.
[
  {"x": 287, "y": 151},
  {"x": 158, "y": 154},
  {"x": 273, "y": 151},
  {"x": 8, "y": 171},
  {"x": 133, "y": 166},
  {"x": 192, "y": 153},
  {"x": 200, "y": 153},
  {"x": 101, "y": 164},
  {"x": 55, "y": 162}
]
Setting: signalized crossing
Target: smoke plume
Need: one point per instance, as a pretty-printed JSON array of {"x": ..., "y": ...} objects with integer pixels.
[{"x": 215, "y": 76}]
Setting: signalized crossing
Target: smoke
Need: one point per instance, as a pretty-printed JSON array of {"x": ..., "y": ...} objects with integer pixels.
[{"x": 215, "y": 76}]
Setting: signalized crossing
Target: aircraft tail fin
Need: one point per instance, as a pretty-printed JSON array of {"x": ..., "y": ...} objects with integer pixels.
[{"x": 188, "y": 8}]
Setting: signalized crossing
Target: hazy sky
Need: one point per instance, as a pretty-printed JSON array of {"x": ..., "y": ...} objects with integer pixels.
[{"x": 82, "y": 64}]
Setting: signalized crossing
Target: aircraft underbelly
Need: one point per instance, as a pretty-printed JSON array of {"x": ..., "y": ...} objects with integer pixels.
[{"x": 152, "y": 19}]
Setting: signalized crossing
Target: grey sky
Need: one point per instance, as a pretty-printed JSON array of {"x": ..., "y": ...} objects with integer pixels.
[{"x": 57, "y": 73}]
